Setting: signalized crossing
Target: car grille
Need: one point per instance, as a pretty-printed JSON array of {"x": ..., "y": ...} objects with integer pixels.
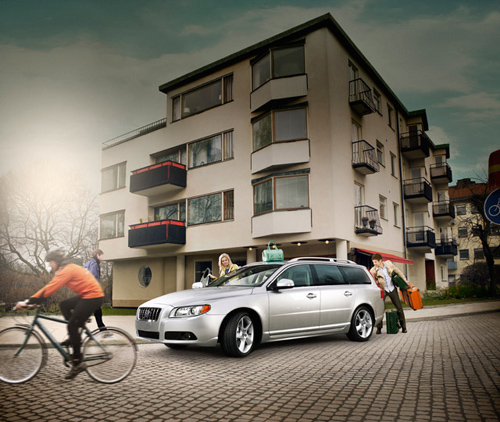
[{"x": 149, "y": 314}]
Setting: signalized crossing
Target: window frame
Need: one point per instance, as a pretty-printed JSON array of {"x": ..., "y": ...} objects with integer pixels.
[
  {"x": 377, "y": 100},
  {"x": 390, "y": 117},
  {"x": 117, "y": 222},
  {"x": 226, "y": 148},
  {"x": 121, "y": 170},
  {"x": 381, "y": 153},
  {"x": 460, "y": 207},
  {"x": 382, "y": 204},
  {"x": 463, "y": 254}
]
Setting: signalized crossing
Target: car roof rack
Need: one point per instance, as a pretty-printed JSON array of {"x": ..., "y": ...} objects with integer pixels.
[{"x": 324, "y": 259}]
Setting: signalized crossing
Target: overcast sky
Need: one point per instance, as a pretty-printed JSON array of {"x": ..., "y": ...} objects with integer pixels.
[{"x": 74, "y": 74}]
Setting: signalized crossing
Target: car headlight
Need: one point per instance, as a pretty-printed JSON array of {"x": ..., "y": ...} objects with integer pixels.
[{"x": 187, "y": 311}]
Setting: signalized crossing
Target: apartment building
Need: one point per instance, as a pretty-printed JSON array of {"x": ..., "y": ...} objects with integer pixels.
[
  {"x": 466, "y": 226},
  {"x": 296, "y": 139}
]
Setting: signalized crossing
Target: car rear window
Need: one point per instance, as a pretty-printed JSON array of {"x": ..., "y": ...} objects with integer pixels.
[
  {"x": 355, "y": 275},
  {"x": 329, "y": 275}
]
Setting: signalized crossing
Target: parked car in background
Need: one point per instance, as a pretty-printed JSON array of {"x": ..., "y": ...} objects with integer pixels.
[{"x": 266, "y": 302}]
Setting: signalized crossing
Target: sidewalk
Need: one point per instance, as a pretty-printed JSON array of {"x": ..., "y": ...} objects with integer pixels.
[{"x": 127, "y": 323}]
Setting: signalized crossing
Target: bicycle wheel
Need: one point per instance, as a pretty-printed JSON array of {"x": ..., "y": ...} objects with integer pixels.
[
  {"x": 20, "y": 358},
  {"x": 110, "y": 355}
]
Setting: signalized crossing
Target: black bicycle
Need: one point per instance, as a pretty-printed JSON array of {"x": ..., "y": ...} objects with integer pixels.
[{"x": 109, "y": 355}]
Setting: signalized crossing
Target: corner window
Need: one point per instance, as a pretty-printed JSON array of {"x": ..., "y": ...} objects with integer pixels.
[
  {"x": 112, "y": 225},
  {"x": 277, "y": 126},
  {"x": 278, "y": 63},
  {"x": 113, "y": 177},
  {"x": 281, "y": 193},
  {"x": 203, "y": 98}
]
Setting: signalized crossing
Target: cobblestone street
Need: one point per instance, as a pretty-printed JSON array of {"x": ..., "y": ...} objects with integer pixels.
[{"x": 442, "y": 370}]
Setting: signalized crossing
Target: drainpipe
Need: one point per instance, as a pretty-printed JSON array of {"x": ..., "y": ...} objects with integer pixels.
[{"x": 403, "y": 208}]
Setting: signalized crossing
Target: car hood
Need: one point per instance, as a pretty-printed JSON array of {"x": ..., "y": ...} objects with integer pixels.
[{"x": 198, "y": 296}]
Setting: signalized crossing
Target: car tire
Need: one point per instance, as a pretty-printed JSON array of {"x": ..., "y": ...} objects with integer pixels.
[
  {"x": 238, "y": 337},
  {"x": 362, "y": 323}
]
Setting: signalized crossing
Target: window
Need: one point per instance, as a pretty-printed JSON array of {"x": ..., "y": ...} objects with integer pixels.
[
  {"x": 283, "y": 125},
  {"x": 145, "y": 276},
  {"x": 203, "y": 98},
  {"x": 380, "y": 153},
  {"x": 464, "y": 254},
  {"x": 394, "y": 165},
  {"x": 356, "y": 131},
  {"x": 396, "y": 214},
  {"x": 462, "y": 232},
  {"x": 376, "y": 100},
  {"x": 177, "y": 155},
  {"x": 355, "y": 275},
  {"x": 329, "y": 275},
  {"x": 205, "y": 209},
  {"x": 461, "y": 209},
  {"x": 300, "y": 275},
  {"x": 229, "y": 205},
  {"x": 112, "y": 225},
  {"x": 476, "y": 230},
  {"x": 281, "y": 193},
  {"x": 278, "y": 63},
  {"x": 382, "y": 207},
  {"x": 171, "y": 212},
  {"x": 390, "y": 112},
  {"x": 206, "y": 151},
  {"x": 473, "y": 209},
  {"x": 200, "y": 267},
  {"x": 227, "y": 139},
  {"x": 113, "y": 177},
  {"x": 478, "y": 253}
]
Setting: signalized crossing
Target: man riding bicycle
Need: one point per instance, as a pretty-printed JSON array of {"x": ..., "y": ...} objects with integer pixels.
[{"x": 76, "y": 309}]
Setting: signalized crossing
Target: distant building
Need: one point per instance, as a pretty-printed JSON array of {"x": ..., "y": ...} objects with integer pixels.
[
  {"x": 296, "y": 139},
  {"x": 469, "y": 247}
]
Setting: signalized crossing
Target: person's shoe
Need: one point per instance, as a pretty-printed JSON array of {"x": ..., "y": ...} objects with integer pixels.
[
  {"x": 404, "y": 330},
  {"x": 103, "y": 328},
  {"x": 76, "y": 368},
  {"x": 379, "y": 330}
]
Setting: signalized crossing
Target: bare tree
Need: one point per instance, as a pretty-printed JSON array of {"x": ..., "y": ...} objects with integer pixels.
[{"x": 44, "y": 205}]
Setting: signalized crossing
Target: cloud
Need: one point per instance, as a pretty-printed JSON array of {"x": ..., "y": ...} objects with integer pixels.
[{"x": 480, "y": 106}]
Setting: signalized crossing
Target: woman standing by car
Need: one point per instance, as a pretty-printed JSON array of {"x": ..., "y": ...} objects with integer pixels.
[{"x": 226, "y": 266}]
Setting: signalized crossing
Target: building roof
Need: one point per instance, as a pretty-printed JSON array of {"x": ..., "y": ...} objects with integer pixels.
[
  {"x": 324, "y": 21},
  {"x": 466, "y": 188}
]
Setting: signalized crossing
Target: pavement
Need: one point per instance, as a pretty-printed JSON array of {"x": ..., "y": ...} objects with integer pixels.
[{"x": 127, "y": 323}]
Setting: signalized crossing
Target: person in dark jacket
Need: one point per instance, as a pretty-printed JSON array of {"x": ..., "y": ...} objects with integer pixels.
[{"x": 94, "y": 267}]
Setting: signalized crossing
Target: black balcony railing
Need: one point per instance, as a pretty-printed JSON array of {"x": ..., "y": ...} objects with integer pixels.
[
  {"x": 361, "y": 97},
  {"x": 364, "y": 157},
  {"x": 441, "y": 173},
  {"x": 415, "y": 144},
  {"x": 135, "y": 133},
  {"x": 367, "y": 221},
  {"x": 422, "y": 237},
  {"x": 443, "y": 210},
  {"x": 145, "y": 179},
  {"x": 157, "y": 233},
  {"x": 447, "y": 248},
  {"x": 418, "y": 190}
]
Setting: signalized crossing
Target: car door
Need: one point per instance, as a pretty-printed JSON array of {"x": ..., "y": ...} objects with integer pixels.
[
  {"x": 337, "y": 297},
  {"x": 294, "y": 311}
]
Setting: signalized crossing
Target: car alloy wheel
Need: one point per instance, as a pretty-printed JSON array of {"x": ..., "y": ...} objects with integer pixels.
[
  {"x": 239, "y": 335},
  {"x": 361, "y": 325}
]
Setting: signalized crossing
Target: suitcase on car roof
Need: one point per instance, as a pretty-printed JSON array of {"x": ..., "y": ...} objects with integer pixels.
[
  {"x": 392, "y": 322},
  {"x": 411, "y": 297}
]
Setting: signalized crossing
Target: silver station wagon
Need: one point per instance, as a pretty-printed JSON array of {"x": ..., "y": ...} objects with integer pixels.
[{"x": 265, "y": 302}]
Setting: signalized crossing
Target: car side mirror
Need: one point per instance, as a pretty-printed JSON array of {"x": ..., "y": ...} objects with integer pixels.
[{"x": 284, "y": 283}]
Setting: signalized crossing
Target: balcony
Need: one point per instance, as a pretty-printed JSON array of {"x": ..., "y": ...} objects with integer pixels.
[
  {"x": 422, "y": 239},
  {"x": 278, "y": 89},
  {"x": 361, "y": 97},
  {"x": 161, "y": 232},
  {"x": 364, "y": 158},
  {"x": 447, "y": 248},
  {"x": 280, "y": 154},
  {"x": 415, "y": 144},
  {"x": 282, "y": 222},
  {"x": 366, "y": 221},
  {"x": 443, "y": 211},
  {"x": 417, "y": 191},
  {"x": 441, "y": 173},
  {"x": 158, "y": 178}
]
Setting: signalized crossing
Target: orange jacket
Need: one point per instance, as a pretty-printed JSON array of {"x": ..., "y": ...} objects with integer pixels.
[{"x": 77, "y": 278}]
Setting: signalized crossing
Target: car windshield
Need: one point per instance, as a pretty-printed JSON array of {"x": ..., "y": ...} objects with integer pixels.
[{"x": 254, "y": 276}]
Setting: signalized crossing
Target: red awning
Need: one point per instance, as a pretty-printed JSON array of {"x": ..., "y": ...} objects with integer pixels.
[{"x": 388, "y": 256}]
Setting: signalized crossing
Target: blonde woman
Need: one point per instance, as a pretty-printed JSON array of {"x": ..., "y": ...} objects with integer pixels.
[{"x": 226, "y": 266}]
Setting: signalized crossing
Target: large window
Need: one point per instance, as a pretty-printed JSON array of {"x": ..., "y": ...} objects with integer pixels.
[
  {"x": 113, "y": 177},
  {"x": 205, "y": 209},
  {"x": 177, "y": 155},
  {"x": 281, "y": 193},
  {"x": 210, "y": 150},
  {"x": 171, "y": 212},
  {"x": 112, "y": 225},
  {"x": 277, "y": 126},
  {"x": 278, "y": 63},
  {"x": 203, "y": 98}
]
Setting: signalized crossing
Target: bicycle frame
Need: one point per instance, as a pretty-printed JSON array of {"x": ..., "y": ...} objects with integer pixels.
[{"x": 37, "y": 323}]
